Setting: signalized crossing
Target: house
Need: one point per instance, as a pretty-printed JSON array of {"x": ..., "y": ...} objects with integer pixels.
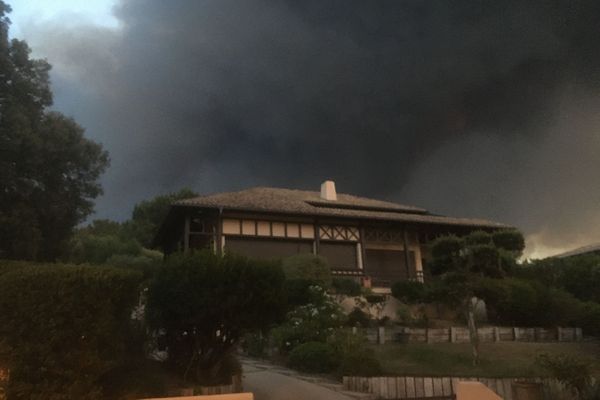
[{"x": 374, "y": 241}]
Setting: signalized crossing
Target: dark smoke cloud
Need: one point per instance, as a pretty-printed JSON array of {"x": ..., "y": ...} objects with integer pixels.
[{"x": 474, "y": 108}]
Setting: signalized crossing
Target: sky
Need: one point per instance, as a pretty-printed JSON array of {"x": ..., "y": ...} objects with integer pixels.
[{"x": 477, "y": 109}]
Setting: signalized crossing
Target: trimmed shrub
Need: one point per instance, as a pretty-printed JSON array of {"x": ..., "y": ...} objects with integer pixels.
[
  {"x": 510, "y": 240},
  {"x": 205, "y": 303},
  {"x": 409, "y": 292},
  {"x": 346, "y": 286},
  {"x": 314, "y": 357},
  {"x": 65, "y": 327},
  {"x": 298, "y": 291},
  {"x": 530, "y": 303},
  {"x": 478, "y": 238},
  {"x": 308, "y": 267},
  {"x": 359, "y": 363}
]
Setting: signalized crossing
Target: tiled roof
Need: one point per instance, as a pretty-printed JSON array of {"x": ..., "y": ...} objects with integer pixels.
[{"x": 287, "y": 201}]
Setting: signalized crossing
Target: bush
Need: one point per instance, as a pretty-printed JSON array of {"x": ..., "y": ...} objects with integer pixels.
[
  {"x": 347, "y": 287},
  {"x": 409, "y": 292},
  {"x": 313, "y": 322},
  {"x": 314, "y": 357},
  {"x": 255, "y": 344},
  {"x": 358, "y": 318},
  {"x": 529, "y": 303},
  {"x": 308, "y": 267},
  {"x": 298, "y": 291},
  {"x": 575, "y": 373},
  {"x": 65, "y": 327},
  {"x": 359, "y": 363},
  {"x": 205, "y": 303},
  {"x": 509, "y": 240}
]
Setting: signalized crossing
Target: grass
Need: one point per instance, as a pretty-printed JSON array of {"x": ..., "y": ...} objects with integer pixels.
[{"x": 496, "y": 359}]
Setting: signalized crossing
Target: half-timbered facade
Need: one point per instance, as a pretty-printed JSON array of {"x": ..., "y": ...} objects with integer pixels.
[{"x": 375, "y": 241}]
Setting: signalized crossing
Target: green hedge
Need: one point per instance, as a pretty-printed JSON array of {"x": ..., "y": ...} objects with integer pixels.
[
  {"x": 530, "y": 303},
  {"x": 314, "y": 357},
  {"x": 64, "y": 327}
]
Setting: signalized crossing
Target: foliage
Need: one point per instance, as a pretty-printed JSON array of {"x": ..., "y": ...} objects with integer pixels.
[
  {"x": 298, "y": 291},
  {"x": 509, "y": 240},
  {"x": 573, "y": 372},
  {"x": 478, "y": 238},
  {"x": 409, "y": 317},
  {"x": 205, "y": 303},
  {"x": 313, "y": 322},
  {"x": 360, "y": 363},
  {"x": 98, "y": 248},
  {"x": 579, "y": 275},
  {"x": 307, "y": 267},
  {"x": 148, "y": 215},
  {"x": 255, "y": 344},
  {"x": 301, "y": 272},
  {"x": 346, "y": 287},
  {"x": 314, "y": 357},
  {"x": 65, "y": 327},
  {"x": 48, "y": 170},
  {"x": 459, "y": 264},
  {"x": 409, "y": 292},
  {"x": 522, "y": 302},
  {"x": 357, "y": 317}
]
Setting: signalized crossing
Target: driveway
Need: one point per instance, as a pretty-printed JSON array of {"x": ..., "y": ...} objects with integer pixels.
[{"x": 270, "y": 382}]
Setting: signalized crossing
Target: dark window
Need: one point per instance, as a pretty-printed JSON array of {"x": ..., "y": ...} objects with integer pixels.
[
  {"x": 339, "y": 255},
  {"x": 266, "y": 248},
  {"x": 388, "y": 266}
]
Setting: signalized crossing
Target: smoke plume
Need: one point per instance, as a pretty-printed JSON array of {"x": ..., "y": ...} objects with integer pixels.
[{"x": 484, "y": 108}]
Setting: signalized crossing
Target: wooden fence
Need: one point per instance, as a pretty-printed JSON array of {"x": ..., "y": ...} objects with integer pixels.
[
  {"x": 411, "y": 387},
  {"x": 486, "y": 334}
]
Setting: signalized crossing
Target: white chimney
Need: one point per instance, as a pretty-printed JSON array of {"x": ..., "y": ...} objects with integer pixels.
[{"x": 328, "y": 191}]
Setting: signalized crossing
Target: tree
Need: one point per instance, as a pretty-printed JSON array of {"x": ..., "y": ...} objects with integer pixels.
[
  {"x": 48, "y": 170},
  {"x": 205, "y": 303},
  {"x": 149, "y": 214},
  {"x": 459, "y": 264}
]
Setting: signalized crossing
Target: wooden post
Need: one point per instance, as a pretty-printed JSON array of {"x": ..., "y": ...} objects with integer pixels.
[
  {"x": 452, "y": 334},
  {"x": 220, "y": 232},
  {"x": 186, "y": 234},
  {"x": 496, "y": 334},
  {"x": 516, "y": 333},
  {"x": 558, "y": 334},
  {"x": 406, "y": 258},
  {"x": 381, "y": 335},
  {"x": 578, "y": 334},
  {"x": 317, "y": 236}
]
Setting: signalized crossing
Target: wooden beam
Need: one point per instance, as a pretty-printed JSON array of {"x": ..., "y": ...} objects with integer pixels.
[
  {"x": 186, "y": 234},
  {"x": 317, "y": 230},
  {"x": 406, "y": 258},
  {"x": 219, "y": 238}
]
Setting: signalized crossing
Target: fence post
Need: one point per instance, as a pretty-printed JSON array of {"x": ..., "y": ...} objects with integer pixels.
[
  {"x": 354, "y": 330},
  {"x": 381, "y": 335},
  {"x": 452, "y": 334},
  {"x": 496, "y": 334},
  {"x": 516, "y": 333},
  {"x": 578, "y": 334},
  {"x": 559, "y": 334}
]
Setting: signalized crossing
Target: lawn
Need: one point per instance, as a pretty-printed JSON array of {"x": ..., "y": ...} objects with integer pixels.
[{"x": 497, "y": 359}]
